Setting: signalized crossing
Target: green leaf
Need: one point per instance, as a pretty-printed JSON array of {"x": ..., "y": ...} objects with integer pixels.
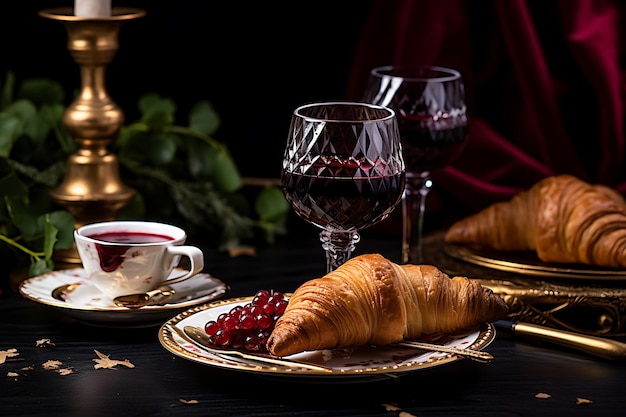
[
  {"x": 7, "y": 90},
  {"x": 10, "y": 126},
  {"x": 42, "y": 91},
  {"x": 22, "y": 217},
  {"x": 52, "y": 113},
  {"x": 128, "y": 132},
  {"x": 271, "y": 204},
  {"x": 207, "y": 162},
  {"x": 151, "y": 148},
  {"x": 272, "y": 229},
  {"x": 49, "y": 176},
  {"x": 157, "y": 112},
  {"x": 40, "y": 266},
  {"x": 37, "y": 128},
  {"x": 204, "y": 118},
  {"x": 62, "y": 224},
  {"x": 225, "y": 172},
  {"x": 273, "y": 210},
  {"x": 24, "y": 109},
  {"x": 50, "y": 237},
  {"x": 39, "y": 231},
  {"x": 201, "y": 158},
  {"x": 11, "y": 187}
]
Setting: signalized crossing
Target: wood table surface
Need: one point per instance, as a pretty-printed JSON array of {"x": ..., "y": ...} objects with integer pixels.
[{"x": 525, "y": 379}]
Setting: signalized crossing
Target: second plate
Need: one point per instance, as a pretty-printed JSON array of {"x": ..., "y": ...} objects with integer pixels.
[{"x": 527, "y": 263}]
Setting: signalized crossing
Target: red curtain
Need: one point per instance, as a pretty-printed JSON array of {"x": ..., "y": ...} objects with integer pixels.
[{"x": 544, "y": 88}]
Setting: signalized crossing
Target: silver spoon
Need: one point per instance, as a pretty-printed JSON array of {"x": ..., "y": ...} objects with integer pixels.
[{"x": 143, "y": 299}]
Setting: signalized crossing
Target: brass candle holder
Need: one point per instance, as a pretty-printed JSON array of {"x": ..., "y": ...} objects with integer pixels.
[{"x": 92, "y": 189}]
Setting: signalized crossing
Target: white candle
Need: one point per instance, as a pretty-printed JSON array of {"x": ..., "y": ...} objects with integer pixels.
[{"x": 92, "y": 8}]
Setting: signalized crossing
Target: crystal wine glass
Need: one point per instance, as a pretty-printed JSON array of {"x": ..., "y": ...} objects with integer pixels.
[
  {"x": 430, "y": 107},
  {"x": 343, "y": 171}
]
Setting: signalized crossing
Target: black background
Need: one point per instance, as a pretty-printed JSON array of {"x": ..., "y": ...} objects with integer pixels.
[{"x": 255, "y": 61}]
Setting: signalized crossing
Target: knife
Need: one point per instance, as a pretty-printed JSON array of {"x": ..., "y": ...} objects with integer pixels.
[{"x": 596, "y": 346}]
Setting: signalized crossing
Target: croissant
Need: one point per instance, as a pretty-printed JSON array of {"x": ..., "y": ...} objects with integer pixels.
[
  {"x": 371, "y": 300},
  {"x": 562, "y": 218}
]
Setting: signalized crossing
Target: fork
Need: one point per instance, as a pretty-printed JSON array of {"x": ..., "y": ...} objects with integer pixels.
[{"x": 476, "y": 355}]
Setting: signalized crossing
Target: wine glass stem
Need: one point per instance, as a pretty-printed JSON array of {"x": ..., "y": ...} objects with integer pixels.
[
  {"x": 338, "y": 246},
  {"x": 413, "y": 207}
]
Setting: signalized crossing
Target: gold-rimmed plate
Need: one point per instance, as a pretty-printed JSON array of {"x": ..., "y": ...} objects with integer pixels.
[
  {"x": 527, "y": 263},
  {"x": 363, "y": 364},
  {"x": 90, "y": 306}
]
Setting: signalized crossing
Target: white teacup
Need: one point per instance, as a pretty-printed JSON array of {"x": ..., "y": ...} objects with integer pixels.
[{"x": 127, "y": 257}]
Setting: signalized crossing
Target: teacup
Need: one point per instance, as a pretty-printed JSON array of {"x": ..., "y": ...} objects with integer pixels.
[{"x": 127, "y": 257}]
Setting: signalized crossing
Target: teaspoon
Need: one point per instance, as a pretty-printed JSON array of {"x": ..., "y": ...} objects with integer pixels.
[
  {"x": 143, "y": 299},
  {"x": 60, "y": 293}
]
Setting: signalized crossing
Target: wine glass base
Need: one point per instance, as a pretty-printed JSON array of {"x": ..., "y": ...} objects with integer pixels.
[
  {"x": 338, "y": 247},
  {"x": 418, "y": 186}
]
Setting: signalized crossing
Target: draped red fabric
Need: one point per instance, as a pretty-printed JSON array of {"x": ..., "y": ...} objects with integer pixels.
[{"x": 544, "y": 84}]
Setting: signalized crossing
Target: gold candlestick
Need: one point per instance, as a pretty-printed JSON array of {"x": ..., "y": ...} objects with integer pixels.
[{"x": 92, "y": 189}]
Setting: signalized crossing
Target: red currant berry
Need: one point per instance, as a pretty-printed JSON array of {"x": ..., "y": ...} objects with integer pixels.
[
  {"x": 276, "y": 296},
  {"x": 237, "y": 339},
  {"x": 256, "y": 310},
  {"x": 221, "y": 337},
  {"x": 280, "y": 307},
  {"x": 251, "y": 343},
  {"x": 269, "y": 308},
  {"x": 264, "y": 321},
  {"x": 221, "y": 318},
  {"x": 246, "y": 321},
  {"x": 211, "y": 327},
  {"x": 247, "y": 327},
  {"x": 260, "y": 297},
  {"x": 230, "y": 322}
]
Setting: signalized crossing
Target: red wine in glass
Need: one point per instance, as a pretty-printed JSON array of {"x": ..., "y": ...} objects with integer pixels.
[
  {"x": 343, "y": 203},
  {"x": 427, "y": 148},
  {"x": 429, "y": 102}
]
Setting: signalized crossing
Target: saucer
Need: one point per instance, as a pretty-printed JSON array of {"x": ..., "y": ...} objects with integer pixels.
[{"x": 89, "y": 305}]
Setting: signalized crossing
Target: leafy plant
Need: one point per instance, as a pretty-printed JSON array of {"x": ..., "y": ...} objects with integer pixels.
[{"x": 181, "y": 173}]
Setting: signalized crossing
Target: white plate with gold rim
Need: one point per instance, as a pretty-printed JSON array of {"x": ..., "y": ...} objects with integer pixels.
[
  {"x": 363, "y": 364},
  {"x": 87, "y": 304}
]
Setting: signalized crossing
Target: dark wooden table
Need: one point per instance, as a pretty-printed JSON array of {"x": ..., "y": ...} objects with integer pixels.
[{"x": 162, "y": 384}]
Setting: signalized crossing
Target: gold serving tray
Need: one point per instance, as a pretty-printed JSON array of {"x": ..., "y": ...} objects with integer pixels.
[
  {"x": 575, "y": 298},
  {"x": 527, "y": 263}
]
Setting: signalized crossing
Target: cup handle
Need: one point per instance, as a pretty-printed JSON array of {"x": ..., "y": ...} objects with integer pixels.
[{"x": 196, "y": 261}]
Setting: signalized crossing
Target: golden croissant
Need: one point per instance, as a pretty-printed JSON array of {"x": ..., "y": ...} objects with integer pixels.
[
  {"x": 562, "y": 218},
  {"x": 371, "y": 300}
]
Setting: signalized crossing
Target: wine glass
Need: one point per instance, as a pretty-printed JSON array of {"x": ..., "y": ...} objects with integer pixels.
[
  {"x": 343, "y": 171},
  {"x": 429, "y": 102}
]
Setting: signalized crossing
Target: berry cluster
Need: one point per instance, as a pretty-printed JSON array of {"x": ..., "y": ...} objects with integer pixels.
[{"x": 247, "y": 327}]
